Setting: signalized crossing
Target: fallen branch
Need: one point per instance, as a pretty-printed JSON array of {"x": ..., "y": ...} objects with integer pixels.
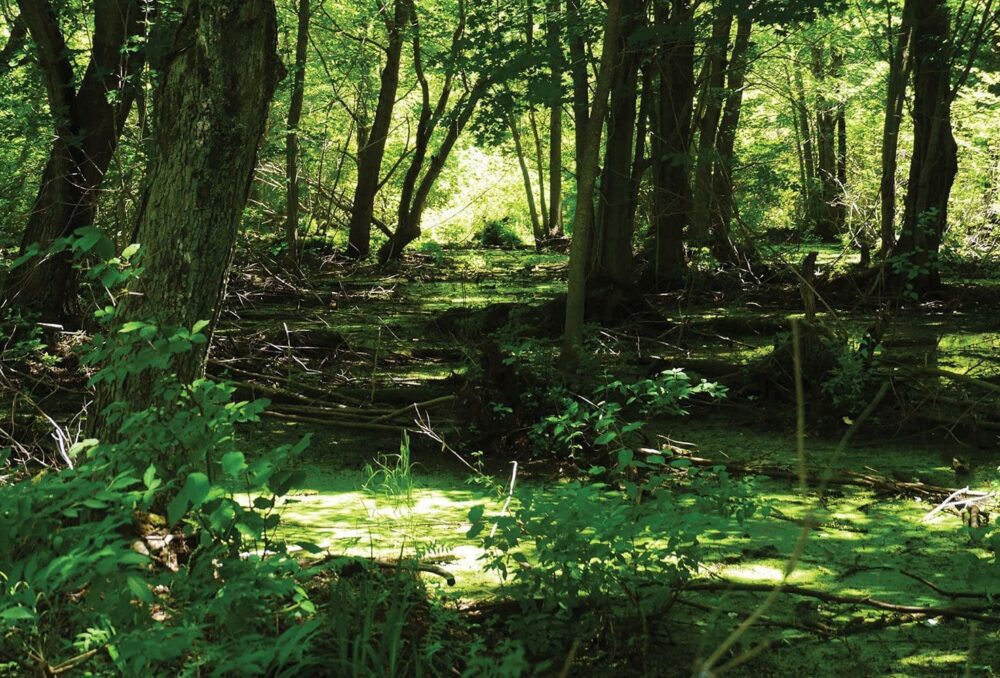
[
  {"x": 416, "y": 566},
  {"x": 418, "y": 406},
  {"x": 975, "y": 613}
]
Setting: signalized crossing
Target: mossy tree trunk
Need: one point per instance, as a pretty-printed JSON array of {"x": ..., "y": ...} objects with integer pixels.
[
  {"x": 87, "y": 121},
  {"x": 210, "y": 117}
]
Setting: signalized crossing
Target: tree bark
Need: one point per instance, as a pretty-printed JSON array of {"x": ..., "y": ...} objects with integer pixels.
[
  {"x": 536, "y": 225},
  {"x": 372, "y": 150},
  {"x": 586, "y": 179},
  {"x": 829, "y": 224},
  {"x": 292, "y": 136},
  {"x": 810, "y": 195},
  {"x": 723, "y": 247},
  {"x": 611, "y": 254},
  {"x": 934, "y": 163},
  {"x": 712, "y": 98},
  {"x": 555, "y": 120},
  {"x": 210, "y": 117},
  {"x": 87, "y": 122},
  {"x": 895, "y": 96},
  {"x": 674, "y": 65}
]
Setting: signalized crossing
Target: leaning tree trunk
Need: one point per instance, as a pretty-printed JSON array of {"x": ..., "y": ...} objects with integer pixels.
[
  {"x": 934, "y": 163},
  {"x": 586, "y": 179},
  {"x": 210, "y": 117},
  {"x": 373, "y": 149},
  {"x": 537, "y": 231},
  {"x": 292, "y": 136},
  {"x": 674, "y": 65},
  {"x": 894, "y": 98},
  {"x": 87, "y": 122}
]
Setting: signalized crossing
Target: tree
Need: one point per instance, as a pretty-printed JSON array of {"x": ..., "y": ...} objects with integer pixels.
[
  {"x": 87, "y": 122},
  {"x": 934, "y": 162},
  {"x": 372, "y": 145},
  {"x": 422, "y": 174},
  {"x": 611, "y": 251},
  {"x": 586, "y": 179},
  {"x": 210, "y": 117},
  {"x": 673, "y": 66},
  {"x": 899, "y": 67},
  {"x": 723, "y": 200},
  {"x": 292, "y": 133}
]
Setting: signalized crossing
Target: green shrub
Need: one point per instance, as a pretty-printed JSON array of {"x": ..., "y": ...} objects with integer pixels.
[{"x": 500, "y": 233}]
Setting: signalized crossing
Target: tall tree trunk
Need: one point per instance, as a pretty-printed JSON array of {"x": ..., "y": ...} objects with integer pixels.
[
  {"x": 674, "y": 65},
  {"x": 372, "y": 148},
  {"x": 555, "y": 120},
  {"x": 611, "y": 254},
  {"x": 810, "y": 195},
  {"x": 581, "y": 81},
  {"x": 895, "y": 96},
  {"x": 537, "y": 231},
  {"x": 934, "y": 163},
  {"x": 586, "y": 180},
  {"x": 722, "y": 180},
  {"x": 87, "y": 122},
  {"x": 828, "y": 227},
  {"x": 540, "y": 167},
  {"x": 712, "y": 97},
  {"x": 210, "y": 117},
  {"x": 292, "y": 135}
]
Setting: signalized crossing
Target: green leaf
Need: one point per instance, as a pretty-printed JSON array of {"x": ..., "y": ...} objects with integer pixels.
[
  {"x": 130, "y": 251},
  {"x": 131, "y": 326},
  {"x": 625, "y": 456},
  {"x": 233, "y": 463},
  {"x": 200, "y": 325},
  {"x": 18, "y": 613},
  {"x": 137, "y": 585},
  {"x": 605, "y": 438},
  {"x": 176, "y": 509},
  {"x": 196, "y": 488}
]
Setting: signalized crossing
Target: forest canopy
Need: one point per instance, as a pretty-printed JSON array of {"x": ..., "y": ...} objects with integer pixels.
[{"x": 467, "y": 337}]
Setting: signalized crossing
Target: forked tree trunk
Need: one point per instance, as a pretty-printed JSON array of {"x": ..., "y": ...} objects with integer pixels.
[
  {"x": 292, "y": 135},
  {"x": 210, "y": 117},
  {"x": 372, "y": 149},
  {"x": 934, "y": 163},
  {"x": 87, "y": 123}
]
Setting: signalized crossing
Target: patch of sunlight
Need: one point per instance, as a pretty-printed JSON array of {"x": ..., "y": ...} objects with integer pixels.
[
  {"x": 939, "y": 659},
  {"x": 755, "y": 573}
]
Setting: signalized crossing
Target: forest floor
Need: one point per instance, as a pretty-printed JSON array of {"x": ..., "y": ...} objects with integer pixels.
[{"x": 371, "y": 336}]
